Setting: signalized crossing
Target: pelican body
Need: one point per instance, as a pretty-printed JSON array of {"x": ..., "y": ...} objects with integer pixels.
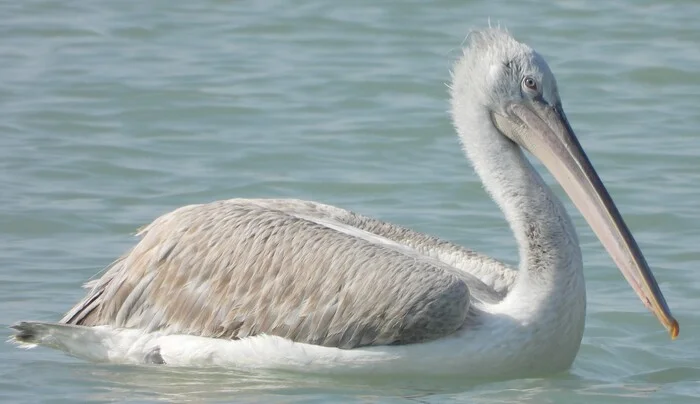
[{"x": 298, "y": 285}]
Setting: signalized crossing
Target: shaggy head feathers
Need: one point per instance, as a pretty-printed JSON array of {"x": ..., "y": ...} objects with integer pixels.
[{"x": 492, "y": 68}]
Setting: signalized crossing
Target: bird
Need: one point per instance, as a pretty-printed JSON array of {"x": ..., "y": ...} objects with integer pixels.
[{"x": 304, "y": 286}]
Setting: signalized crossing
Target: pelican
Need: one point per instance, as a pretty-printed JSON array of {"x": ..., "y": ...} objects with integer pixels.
[{"x": 299, "y": 285}]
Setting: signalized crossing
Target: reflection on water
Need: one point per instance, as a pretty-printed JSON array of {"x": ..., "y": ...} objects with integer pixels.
[{"x": 119, "y": 382}]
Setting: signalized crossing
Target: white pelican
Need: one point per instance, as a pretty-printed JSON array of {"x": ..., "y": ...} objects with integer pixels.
[{"x": 290, "y": 284}]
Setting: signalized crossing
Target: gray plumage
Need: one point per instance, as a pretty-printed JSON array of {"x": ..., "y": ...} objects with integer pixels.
[{"x": 305, "y": 271}]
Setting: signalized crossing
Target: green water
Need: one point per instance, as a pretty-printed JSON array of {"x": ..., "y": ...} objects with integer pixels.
[{"x": 112, "y": 113}]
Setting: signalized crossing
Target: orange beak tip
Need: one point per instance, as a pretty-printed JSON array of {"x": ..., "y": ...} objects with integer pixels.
[{"x": 674, "y": 329}]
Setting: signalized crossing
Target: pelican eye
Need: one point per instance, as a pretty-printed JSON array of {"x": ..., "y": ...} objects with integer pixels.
[{"x": 530, "y": 83}]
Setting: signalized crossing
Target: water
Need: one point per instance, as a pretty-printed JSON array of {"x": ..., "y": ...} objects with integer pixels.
[{"x": 112, "y": 113}]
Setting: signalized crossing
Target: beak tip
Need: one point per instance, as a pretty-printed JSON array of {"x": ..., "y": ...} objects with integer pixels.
[{"x": 674, "y": 329}]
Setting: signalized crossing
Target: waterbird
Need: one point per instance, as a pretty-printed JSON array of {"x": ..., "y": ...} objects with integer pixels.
[{"x": 299, "y": 285}]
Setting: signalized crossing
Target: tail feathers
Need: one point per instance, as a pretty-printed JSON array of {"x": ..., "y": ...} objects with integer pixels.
[
  {"x": 76, "y": 340},
  {"x": 92, "y": 343},
  {"x": 34, "y": 333},
  {"x": 25, "y": 333}
]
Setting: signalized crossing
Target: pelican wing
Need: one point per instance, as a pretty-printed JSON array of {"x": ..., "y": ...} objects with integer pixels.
[
  {"x": 239, "y": 268},
  {"x": 495, "y": 274}
]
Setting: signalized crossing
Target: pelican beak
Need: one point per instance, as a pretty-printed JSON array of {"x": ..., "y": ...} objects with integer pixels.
[{"x": 544, "y": 131}]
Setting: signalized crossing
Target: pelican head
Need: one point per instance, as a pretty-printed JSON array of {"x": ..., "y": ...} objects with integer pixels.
[{"x": 511, "y": 88}]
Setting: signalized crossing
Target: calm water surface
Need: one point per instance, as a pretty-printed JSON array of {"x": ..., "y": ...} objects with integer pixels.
[{"x": 112, "y": 113}]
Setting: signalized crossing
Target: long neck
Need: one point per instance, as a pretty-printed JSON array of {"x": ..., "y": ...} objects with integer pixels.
[{"x": 550, "y": 257}]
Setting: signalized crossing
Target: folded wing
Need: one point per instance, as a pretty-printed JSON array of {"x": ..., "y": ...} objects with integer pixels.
[{"x": 238, "y": 268}]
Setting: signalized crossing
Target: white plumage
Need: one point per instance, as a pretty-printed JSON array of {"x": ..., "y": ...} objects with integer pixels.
[{"x": 302, "y": 286}]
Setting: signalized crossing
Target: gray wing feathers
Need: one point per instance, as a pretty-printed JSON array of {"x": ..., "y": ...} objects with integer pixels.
[
  {"x": 238, "y": 268},
  {"x": 497, "y": 277}
]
